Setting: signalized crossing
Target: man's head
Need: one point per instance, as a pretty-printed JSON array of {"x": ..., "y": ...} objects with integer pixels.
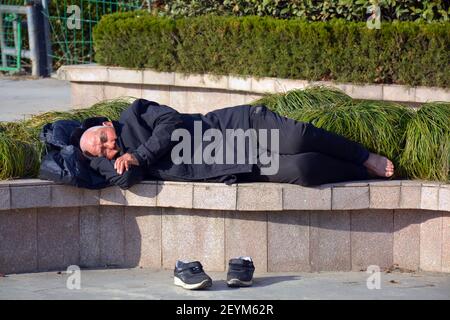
[{"x": 100, "y": 141}]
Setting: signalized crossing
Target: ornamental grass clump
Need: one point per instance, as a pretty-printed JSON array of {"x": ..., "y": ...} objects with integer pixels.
[
  {"x": 110, "y": 109},
  {"x": 418, "y": 142},
  {"x": 17, "y": 158},
  {"x": 378, "y": 126},
  {"x": 19, "y": 151},
  {"x": 427, "y": 149},
  {"x": 312, "y": 97}
]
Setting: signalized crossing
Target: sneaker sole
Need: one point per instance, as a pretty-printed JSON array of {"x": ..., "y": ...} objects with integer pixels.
[
  {"x": 202, "y": 285},
  {"x": 239, "y": 283}
]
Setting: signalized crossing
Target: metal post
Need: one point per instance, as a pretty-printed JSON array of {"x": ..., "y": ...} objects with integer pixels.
[
  {"x": 17, "y": 39},
  {"x": 2, "y": 42},
  {"x": 48, "y": 41},
  {"x": 33, "y": 39}
]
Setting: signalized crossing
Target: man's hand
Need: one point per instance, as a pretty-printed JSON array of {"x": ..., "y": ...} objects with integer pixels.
[{"x": 124, "y": 162}]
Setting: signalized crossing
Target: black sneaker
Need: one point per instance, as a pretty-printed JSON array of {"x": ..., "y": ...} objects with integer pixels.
[
  {"x": 190, "y": 275},
  {"x": 240, "y": 272}
]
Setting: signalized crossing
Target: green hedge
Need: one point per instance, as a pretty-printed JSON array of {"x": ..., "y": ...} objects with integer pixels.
[{"x": 410, "y": 53}]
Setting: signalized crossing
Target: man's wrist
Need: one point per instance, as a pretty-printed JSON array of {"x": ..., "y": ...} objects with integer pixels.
[{"x": 136, "y": 158}]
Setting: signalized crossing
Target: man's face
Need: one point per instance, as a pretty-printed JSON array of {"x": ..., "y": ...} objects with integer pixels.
[{"x": 103, "y": 142}]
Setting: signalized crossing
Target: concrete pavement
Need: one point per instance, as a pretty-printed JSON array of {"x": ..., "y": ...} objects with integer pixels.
[
  {"x": 150, "y": 284},
  {"x": 21, "y": 97}
]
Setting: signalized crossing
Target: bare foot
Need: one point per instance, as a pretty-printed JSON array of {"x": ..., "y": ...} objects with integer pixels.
[{"x": 378, "y": 165}]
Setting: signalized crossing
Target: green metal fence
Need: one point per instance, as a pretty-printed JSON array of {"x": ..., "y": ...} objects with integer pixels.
[
  {"x": 11, "y": 31},
  {"x": 71, "y": 24},
  {"x": 10, "y": 38}
]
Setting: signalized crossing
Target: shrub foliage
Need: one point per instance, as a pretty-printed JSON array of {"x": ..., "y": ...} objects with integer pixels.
[
  {"x": 351, "y": 10},
  {"x": 409, "y": 53}
]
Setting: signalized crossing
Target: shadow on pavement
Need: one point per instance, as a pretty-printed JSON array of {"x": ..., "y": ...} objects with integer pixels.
[{"x": 258, "y": 282}]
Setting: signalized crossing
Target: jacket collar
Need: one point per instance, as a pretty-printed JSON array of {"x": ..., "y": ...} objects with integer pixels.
[{"x": 118, "y": 127}]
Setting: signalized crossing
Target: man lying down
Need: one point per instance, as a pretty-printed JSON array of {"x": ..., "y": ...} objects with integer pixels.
[{"x": 234, "y": 144}]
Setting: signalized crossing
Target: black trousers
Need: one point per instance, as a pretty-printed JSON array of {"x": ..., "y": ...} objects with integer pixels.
[{"x": 307, "y": 155}]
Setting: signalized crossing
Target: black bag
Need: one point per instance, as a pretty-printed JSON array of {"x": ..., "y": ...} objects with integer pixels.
[{"x": 63, "y": 160}]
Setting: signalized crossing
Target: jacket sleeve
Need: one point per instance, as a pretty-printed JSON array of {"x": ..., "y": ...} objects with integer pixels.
[
  {"x": 162, "y": 120},
  {"x": 129, "y": 178}
]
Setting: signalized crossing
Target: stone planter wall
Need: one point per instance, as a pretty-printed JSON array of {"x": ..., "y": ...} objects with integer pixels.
[
  {"x": 204, "y": 93},
  {"x": 337, "y": 227}
]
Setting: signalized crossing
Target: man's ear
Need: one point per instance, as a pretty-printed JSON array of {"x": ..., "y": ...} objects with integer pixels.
[{"x": 107, "y": 123}]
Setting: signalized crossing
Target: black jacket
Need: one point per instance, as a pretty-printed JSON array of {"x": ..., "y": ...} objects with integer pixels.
[
  {"x": 145, "y": 130},
  {"x": 62, "y": 159}
]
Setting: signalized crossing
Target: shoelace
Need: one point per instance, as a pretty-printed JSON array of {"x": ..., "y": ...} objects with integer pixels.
[{"x": 196, "y": 269}]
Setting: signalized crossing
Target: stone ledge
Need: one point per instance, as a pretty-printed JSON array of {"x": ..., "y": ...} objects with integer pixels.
[
  {"x": 370, "y": 194},
  {"x": 104, "y": 74}
]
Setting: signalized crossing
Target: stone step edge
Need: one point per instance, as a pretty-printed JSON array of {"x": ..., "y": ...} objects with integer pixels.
[
  {"x": 119, "y": 75},
  {"x": 371, "y": 194}
]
